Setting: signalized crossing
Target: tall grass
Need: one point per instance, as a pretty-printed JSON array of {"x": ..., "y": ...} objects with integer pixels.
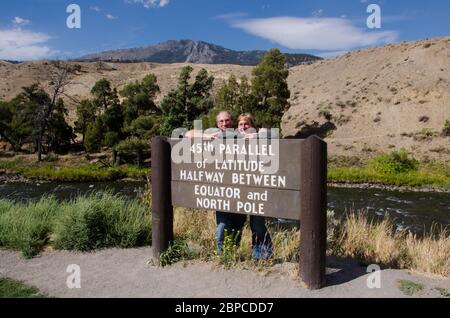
[
  {"x": 85, "y": 223},
  {"x": 104, "y": 220},
  {"x": 354, "y": 236},
  {"x": 378, "y": 242},
  {"x": 27, "y": 226}
]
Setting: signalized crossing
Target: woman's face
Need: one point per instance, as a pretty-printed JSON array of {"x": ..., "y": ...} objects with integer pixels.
[{"x": 243, "y": 125}]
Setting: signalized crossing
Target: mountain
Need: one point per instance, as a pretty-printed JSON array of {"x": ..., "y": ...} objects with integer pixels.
[
  {"x": 187, "y": 51},
  {"x": 376, "y": 100}
]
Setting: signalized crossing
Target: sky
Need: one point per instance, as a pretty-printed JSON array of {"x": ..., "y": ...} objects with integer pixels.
[{"x": 38, "y": 29}]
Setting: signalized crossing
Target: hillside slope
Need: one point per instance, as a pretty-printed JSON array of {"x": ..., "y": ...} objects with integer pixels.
[{"x": 379, "y": 99}]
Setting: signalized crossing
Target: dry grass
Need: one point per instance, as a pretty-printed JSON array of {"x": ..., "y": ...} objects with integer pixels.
[
  {"x": 430, "y": 254},
  {"x": 354, "y": 235},
  {"x": 378, "y": 242}
]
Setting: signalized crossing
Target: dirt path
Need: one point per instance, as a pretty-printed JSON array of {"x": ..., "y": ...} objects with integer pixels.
[{"x": 126, "y": 273}]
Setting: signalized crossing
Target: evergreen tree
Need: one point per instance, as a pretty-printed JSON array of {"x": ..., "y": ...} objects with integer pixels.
[
  {"x": 94, "y": 136},
  {"x": 16, "y": 124},
  {"x": 112, "y": 122},
  {"x": 270, "y": 88},
  {"x": 86, "y": 114},
  {"x": 139, "y": 98},
  {"x": 233, "y": 96},
  {"x": 104, "y": 95},
  {"x": 58, "y": 134},
  {"x": 186, "y": 103}
]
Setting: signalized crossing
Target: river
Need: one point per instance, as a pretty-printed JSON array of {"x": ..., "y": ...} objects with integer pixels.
[{"x": 415, "y": 211}]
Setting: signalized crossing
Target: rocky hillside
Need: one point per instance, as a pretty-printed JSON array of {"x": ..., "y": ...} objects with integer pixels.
[
  {"x": 16, "y": 76},
  {"x": 187, "y": 51},
  {"x": 364, "y": 102},
  {"x": 373, "y": 100}
]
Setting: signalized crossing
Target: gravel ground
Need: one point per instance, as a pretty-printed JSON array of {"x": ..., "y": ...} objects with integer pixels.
[{"x": 128, "y": 273}]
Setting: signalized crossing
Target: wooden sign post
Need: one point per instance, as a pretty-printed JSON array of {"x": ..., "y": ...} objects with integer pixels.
[{"x": 282, "y": 178}]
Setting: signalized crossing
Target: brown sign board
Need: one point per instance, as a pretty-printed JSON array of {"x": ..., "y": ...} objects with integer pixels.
[
  {"x": 296, "y": 189},
  {"x": 237, "y": 199},
  {"x": 256, "y": 177}
]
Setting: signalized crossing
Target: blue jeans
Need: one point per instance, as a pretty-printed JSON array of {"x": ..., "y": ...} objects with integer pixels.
[{"x": 233, "y": 224}]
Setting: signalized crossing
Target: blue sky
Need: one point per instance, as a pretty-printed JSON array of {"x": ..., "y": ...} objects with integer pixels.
[{"x": 36, "y": 29}]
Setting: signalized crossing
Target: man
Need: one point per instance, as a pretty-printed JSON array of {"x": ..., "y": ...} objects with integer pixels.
[
  {"x": 227, "y": 223},
  {"x": 231, "y": 224}
]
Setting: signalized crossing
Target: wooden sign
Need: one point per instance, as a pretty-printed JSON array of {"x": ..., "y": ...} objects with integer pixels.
[
  {"x": 271, "y": 178},
  {"x": 256, "y": 178}
]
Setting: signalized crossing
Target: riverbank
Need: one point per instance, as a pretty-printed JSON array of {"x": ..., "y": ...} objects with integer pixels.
[
  {"x": 19, "y": 170},
  {"x": 105, "y": 220},
  {"x": 425, "y": 180}
]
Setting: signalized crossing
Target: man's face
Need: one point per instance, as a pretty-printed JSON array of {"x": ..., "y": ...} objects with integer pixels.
[{"x": 224, "y": 121}]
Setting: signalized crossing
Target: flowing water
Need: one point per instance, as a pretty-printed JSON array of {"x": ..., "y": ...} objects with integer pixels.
[{"x": 416, "y": 211}]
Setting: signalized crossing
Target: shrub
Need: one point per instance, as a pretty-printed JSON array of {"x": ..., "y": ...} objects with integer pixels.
[
  {"x": 424, "y": 134},
  {"x": 229, "y": 255},
  {"x": 424, "y": 118},
  {"x": 326, "y": 114},
  {"x": 409, "y": 287},
  {"x": 27, "y": 227},
  {"x": 177, "y": 250},
  {"x": 446, "y": 130},
  {"x": 105, "y": 220},
  {"x": 393, "y": 163},
  {"x": 51, "y": 157}
]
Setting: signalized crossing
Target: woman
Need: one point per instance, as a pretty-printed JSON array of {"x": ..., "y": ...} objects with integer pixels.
[{"x": 261, "y": 241}]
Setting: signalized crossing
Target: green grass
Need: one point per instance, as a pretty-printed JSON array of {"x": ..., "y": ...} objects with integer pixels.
[
  {"x": 92, "y": 222},
  {"x": 444, "y": 292},
  {"x": 85, "y": 223},
  {"x": 10, "y": 288},
  {"x": 409, "y": 287},
  {"x": 78, "y": 173},
  {"x": 365, "y": 174},
  {"x": 27, "y": 226},
  {"x": 177, "y": 250}
]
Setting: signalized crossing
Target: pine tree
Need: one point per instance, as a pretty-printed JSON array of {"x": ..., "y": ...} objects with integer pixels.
[
  {"x": 183, "y": 105},
  {"x": 270, "y": 88},
  {"x": 86, "y": 114},
  {"x": 139, "y": 98},
  {"x": 104, "y": 95}
]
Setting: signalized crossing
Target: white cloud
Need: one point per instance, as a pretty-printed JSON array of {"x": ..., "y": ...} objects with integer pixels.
[
  {"x": 96, "y": 9},
  {"x": 150, "y": 3},
  {"x": 230, "y": 16},
  {"x": 331, "y": 34},
  {"x": 20, "y": 22},
  {"x": 107, "y": 15},
  {"x": 317, "y": 13},
  {"x": 17, "y": 44},
  {"x": 331, "y": 55}
]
